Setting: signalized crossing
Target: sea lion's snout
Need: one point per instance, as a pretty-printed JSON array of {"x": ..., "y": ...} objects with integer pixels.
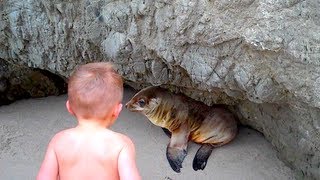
[
  {"x": 126, "y": 105},
  {"x": 135, "y": 105},
  {"x": 129, "y": 105}
]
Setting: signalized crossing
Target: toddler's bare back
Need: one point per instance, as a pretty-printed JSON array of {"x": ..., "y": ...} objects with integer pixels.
[{"x": 86, "y": 154}]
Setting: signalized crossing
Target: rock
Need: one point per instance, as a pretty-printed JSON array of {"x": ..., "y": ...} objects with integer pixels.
[{"x": 255, "y": 55}]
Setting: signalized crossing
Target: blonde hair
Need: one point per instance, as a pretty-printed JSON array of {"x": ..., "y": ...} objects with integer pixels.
[{"x": 94, "y": 89}]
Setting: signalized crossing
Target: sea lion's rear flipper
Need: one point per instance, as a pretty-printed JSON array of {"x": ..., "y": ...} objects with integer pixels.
[
  {"x": 177, "y": 148},
  {"x": 167, "y": 132},
  {"x": 202, "y": 155}
]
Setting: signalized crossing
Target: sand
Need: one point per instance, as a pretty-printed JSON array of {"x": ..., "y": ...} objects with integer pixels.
[{"x": 27, "y": 126}]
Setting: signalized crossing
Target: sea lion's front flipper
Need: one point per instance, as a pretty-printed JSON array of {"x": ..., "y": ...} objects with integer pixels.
[
  {"x": 167, "y": 132},
  {"x": 177, "y": 148},
  {"x": 175, "y": 157},
  {"x": 202, "y": 155}
]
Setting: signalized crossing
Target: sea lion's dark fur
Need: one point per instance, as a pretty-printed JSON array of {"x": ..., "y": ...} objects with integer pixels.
[{"x": 186, "y": 119}]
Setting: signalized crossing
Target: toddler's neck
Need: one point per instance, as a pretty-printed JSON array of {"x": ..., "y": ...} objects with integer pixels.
[{"x": 92, "y": 124}]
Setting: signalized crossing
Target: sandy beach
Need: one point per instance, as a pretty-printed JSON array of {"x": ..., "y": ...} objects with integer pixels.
[{"x": 27, "y": 126}]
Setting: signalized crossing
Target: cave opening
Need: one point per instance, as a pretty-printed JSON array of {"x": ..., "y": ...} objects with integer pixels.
[{"x": 30, "y": 83}]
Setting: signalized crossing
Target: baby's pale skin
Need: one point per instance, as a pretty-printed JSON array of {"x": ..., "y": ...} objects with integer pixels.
[
  {"x": 84, "y": 153},
  {"x": 89, "y": 151}
]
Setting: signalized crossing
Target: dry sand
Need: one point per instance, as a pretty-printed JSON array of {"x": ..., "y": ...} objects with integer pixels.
[{"x": 27, "y": 126}]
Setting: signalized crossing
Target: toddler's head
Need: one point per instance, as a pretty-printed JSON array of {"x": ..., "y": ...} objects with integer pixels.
[{"x": 94, "y": 89}]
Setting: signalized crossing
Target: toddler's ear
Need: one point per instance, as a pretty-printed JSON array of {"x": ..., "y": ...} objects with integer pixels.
[
  {"x": 116, "y": 111},
  {"x": 69, "y": 108}
]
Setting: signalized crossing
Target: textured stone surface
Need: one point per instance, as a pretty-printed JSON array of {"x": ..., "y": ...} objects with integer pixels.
[{"x": 259, "y": 55}]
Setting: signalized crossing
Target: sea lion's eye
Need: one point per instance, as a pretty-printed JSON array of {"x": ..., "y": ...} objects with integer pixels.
[{"x": 141, "y": 102}]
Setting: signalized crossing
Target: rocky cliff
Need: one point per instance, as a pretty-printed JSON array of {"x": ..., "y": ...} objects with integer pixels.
[{"x": 262, "y": 56}]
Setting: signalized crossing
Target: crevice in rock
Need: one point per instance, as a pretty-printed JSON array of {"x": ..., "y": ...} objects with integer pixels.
[
  {"x": 19, "y": 82},
  {"x": 59, "y": 81}
]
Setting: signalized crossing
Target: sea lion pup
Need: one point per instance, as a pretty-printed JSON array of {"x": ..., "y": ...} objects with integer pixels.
[{"x": 186, "y": 119}]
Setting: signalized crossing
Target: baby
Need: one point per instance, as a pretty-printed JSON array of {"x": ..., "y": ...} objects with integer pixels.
[{"x": 90, "y": 150}]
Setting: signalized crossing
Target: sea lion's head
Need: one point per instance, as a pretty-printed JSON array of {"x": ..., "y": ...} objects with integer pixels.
[
  {"x": 145, "y": 100},
  {"x": 156, "y": 104}
]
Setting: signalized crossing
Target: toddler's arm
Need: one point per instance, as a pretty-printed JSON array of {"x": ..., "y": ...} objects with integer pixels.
[
  {"x": 49, "y": 167},
  {"x": 127, "y": 163}
]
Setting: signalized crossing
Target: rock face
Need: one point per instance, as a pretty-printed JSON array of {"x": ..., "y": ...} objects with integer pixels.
[{"x": 262, "y": 56}]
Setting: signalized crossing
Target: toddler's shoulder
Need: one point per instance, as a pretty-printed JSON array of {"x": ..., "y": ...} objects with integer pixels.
[
  {"x": 121, "y": 138},
  {"x": 61, "y": 136}
]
